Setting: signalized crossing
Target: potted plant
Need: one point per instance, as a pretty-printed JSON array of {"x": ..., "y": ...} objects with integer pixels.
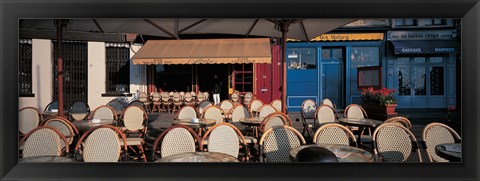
[{"x": 379, "y": 103}]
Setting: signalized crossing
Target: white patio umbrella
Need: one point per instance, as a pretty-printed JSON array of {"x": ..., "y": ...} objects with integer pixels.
[{"x": 300, "y": 29}]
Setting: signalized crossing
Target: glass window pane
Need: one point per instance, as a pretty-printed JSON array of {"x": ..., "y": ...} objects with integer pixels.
[
  {"x": 302, "y": 58},
  {"x": 403, "y": 60},
  {"x": 436, "y": 81},
  {"x": 419, "y": 60},
  {"x": 325, "y": 53},
  {"x": 403, "y": 80},
  {"x": 364, "y": 56},
  {"x": 420, "y": 81},
  {"x": 337, "y": 53},
  {"x": 436, "y": 59}
]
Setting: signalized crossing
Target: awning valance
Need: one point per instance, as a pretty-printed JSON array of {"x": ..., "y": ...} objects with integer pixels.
[
  {"x": 425, "y": 46},
  {"x": 205, "y": 51}
]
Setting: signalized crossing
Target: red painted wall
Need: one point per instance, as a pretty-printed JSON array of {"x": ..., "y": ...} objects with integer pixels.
[{"x": 268, "y": 78}]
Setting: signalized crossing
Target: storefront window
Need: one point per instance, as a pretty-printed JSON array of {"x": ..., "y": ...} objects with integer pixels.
[
  {"x": 436, "y": 80},
  {"x": 364, "y": 57},
  {"x": 420, "y": 80},
  {"x": 302, "y": 58},
  {"x": 403, "y": 80},
  {"x": 436, "y": 59}
]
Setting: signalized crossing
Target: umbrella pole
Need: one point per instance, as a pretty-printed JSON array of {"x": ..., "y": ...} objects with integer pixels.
[
  {"x": 284, "y": 29},
  {"x": 60, "y": 24}
]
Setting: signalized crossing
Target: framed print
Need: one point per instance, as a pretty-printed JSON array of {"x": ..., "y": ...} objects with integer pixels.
[{"x": 126, "y": 52}]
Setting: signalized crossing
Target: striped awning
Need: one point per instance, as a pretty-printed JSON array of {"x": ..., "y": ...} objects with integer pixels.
[{"x": 205, "y": 51}]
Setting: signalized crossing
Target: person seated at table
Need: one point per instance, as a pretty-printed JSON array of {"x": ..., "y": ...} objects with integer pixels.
[{"x": 316, "y": 154}]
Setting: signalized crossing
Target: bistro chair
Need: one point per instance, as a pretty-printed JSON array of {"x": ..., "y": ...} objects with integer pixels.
[
  {"x": 307, "y": 111},
  {"x": 166, "y": 103},
  {"x": 275, "y": 119},
  {"x": 437, "y": 133},
  {"x": 206, "y": 95},
  {"x": 333, "y": 133},
  {"x": 200, "y": 97},
  {"x": 356, "y": 111},
  {"x": 400, "y": 120},
  {"x": 226, "y": 106},
  {"x": 202, "y": 105},
  {"x": 189, "y": 100},
  {"x": 28, "y": 119},
  {"x": 135, "y": 129},
  {"x": 101, "y": 144},
  {"x": 177, "y": 101},
  {"x": 43, "y": 141},
  {"x": 175, "y": 140},
  {"x": 265, "y": 110},
  {"x": 247, "y": 98},
  {"x": 64, "y": 126},
  {"x": 138, "y": 104},
  {"x": 116, "y": 105},
  {"x": 277, "y": 104},
  {"x": 186, "y": 112},
  {"x": 52, "y": 105},
  {"x": 276, "y": 142},
  {"x": 79, "y": 110},
  {"x": 254, "y": 105},
  {"x": 238, "y": 112},
  {"x": 328, "y": 102},
  {"x": 104, "y": 112},
  {"x": 235, "y": 97},
  {"x": 182, "y": 95},
  {"x": 225, "y": 138},
  {"x": 324, "y": 114},
  {"x": 157, "y": 100},
  {"x": 213, "y": 112},
  {"x": 143, "y": 98},
  {"x": 394, "y": 143}
]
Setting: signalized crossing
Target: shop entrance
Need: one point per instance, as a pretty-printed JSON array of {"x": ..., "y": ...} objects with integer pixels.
[
  {"x": 186, "y": 78},
  {"x": 331, "y": 75}
]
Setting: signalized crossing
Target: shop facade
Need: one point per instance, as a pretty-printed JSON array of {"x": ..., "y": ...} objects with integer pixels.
[
  {"x": 327, "y": 68},
  {"x": 421, "y": 66}
]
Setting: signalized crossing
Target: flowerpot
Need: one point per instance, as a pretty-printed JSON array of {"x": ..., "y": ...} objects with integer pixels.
[{"x": 380, "y": 112}]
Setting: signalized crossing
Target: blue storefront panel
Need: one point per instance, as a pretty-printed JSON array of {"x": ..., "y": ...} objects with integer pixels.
[{"x": 332, "y": 76}]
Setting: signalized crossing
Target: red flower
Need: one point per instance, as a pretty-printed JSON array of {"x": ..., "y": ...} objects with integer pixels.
[{"x": 370, "y": 89}]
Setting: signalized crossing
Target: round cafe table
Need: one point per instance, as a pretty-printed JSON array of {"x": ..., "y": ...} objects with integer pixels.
[
  {"x": 253, "y": 122},
  {"x": 86, "y": 125},
  {"x": 344, "y": 153},
  {"x": 450, "y": 151},
  {"x": 47, "y": 159},
  {"x": 361, "y": 123},
  {"x": 199, "y": 157},
  {"x": 201, "y": 124}
]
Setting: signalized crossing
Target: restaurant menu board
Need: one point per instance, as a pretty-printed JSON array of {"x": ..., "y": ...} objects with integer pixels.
[{"x": 369, "y": 77}]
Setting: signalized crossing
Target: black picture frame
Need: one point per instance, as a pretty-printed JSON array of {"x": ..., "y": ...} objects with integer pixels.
[
  {"x": 468, "y": 10},
  {"x": 370, "y": 76}
]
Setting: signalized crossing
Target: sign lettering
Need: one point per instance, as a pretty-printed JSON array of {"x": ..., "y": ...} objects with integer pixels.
[{"x": 421, "y": 35}]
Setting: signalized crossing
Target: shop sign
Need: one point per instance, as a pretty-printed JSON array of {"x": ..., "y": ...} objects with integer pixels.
[
  {"x": 422, "y": 35},
  {"x": 424, "y": 50},
  {"x": 349, "y": 37},
  {"x": 213, "y": 60}
]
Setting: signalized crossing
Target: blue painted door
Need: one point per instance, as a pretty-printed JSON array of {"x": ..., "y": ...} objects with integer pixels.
[{"x": 332, "y": 87}]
